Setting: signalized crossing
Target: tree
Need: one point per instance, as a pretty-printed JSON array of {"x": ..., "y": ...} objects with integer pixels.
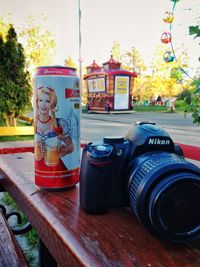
[
  {"x": 134, "y": 61},
  {"x": 15, "y": 89},
  {"x": 171, "y": 85},
  {"x": 39, "y": 46},
  {"x": 161, "y": 67},
  {"x": 130, "y": 59},
  {"x": 116, "y": 51},
  {"x": 194, "y": 30},
  {"x": 4, "y": 27},
  {"x": 69, "y": 62},
  {"x": 195, "y": 102}
]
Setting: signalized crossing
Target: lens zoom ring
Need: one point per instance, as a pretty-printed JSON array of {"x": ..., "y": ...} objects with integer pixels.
[{"x": 155, "y": 161}]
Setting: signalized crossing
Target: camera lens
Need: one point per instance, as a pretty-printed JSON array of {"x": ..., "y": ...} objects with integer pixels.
[
  {"x": 164, "y": 192},
  {"x": 174, "y": 207}
]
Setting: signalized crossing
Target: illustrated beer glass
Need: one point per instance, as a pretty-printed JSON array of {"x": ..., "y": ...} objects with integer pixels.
[
  {"x": 57, "y": 127},
  {"x": 52, "y": 152},
  {"x": 38, "y": 147}
]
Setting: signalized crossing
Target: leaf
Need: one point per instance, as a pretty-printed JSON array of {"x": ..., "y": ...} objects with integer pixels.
[{"x": 194, "y": 30}]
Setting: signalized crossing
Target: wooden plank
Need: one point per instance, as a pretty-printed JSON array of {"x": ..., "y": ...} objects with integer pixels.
[
  {"x": 10, "y": 252},
  {"x": 19, "y": 130},
  {"x": 27, "y": 119}
]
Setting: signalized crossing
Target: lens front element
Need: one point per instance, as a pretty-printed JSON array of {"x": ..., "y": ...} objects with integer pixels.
[
  {"x": 174, "y": 209},
  {"x": 164, "y": 194}
]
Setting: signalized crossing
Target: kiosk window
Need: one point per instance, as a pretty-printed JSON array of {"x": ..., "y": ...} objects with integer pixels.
[{"x": 96, "y": 85}]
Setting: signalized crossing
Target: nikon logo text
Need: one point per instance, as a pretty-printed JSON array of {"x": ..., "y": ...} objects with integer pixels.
[{"x": 156, "y": 141}]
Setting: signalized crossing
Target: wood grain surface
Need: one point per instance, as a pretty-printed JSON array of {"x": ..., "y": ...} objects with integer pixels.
[{"x": 75, "y": 238}]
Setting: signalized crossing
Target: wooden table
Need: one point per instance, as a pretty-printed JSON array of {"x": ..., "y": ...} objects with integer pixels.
[{"x": 75, "y": 238}]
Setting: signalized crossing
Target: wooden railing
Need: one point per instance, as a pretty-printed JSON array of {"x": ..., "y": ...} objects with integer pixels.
[{"x": 16, "y": 130}]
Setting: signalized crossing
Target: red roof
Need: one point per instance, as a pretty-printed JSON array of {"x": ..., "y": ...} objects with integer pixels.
[
  {"x": 110, "y": 72},
  {"x": 94, "y": 65},
  {"x": 111, "y": 61}
]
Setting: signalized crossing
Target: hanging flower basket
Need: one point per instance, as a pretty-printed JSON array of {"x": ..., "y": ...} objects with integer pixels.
[
  {"x": 166, "y": 38},
  {"x": 176, "y": 73},
  {"x": 169, "y": 17},
  {"x": 168, "y": 57}
]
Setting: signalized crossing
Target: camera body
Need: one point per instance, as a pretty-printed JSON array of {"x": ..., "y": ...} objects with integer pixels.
[
  {"x": 105, "y": 166},
  {"x": 102, "y": 185},
  {"x": 147, "y": 172}
]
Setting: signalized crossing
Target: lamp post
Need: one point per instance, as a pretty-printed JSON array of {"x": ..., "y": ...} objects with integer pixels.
[{"x": 80, "y": 58}]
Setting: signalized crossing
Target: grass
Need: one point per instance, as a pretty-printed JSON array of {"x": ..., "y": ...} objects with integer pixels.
[
  {"x": 142, "y": 108},
  {"x": 180, "y": 106},
  {"x": 16, "y": 138}
]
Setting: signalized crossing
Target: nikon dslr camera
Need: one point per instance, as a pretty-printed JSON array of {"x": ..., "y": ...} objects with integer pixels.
[{"x": 147, "y": 172}]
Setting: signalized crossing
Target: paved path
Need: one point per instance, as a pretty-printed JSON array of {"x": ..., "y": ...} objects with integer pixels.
[
  {"x": 181, "y": 129},
  {"x": 94, "y": 126}
]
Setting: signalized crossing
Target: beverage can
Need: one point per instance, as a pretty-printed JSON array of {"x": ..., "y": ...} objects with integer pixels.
[{"x": 57, "y": 127}]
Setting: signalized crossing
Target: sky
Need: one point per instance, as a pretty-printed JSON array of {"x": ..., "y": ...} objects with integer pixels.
[{"x": 132, "y": 23}]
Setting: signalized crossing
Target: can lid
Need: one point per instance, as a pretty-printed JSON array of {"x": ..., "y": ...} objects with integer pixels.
[
  {"x": 56, "y": 70},
  {"x": 57, "y": 67}
]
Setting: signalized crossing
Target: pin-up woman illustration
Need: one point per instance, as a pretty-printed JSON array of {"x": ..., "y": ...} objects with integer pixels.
[{"x": 52, "y": 139}]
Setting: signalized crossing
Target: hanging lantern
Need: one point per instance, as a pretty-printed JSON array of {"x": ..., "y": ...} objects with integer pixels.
[
  {"x": 176, "y": 73},
  {"x": 169, "y": 17},
  {"x": 168, "y": 57},
  {"x": 166, "y": 37}
]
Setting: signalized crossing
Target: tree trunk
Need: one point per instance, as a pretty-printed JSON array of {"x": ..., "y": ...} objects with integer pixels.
[
  {"x": 7, "y": 121},
  {"x": 14, "y": 122}
]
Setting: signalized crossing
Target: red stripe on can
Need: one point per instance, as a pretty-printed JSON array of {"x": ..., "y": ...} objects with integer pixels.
[{"x": 69, "y": 93}]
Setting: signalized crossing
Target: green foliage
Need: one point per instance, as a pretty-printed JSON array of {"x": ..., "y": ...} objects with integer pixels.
[
  {"x": 4, "y": 27},
  {"x": 169, "y": 69},
  {"x": 185, "y": 95},
  {"x": 189, "y": 101},
  {"x": 195, "y": 103},
  {"x": 180, "y": 105},
  {"x": 15, "y": 89},
  {"x": 39, "y": 45},
  {"x": 194, "y": 30},
  {"x": 69, "y": 62},
  {"x": 195, "y": 106},
  {"x": 149, "y": 108},
  {"x": 131, "y": 59},
  {"x": 116, "y": 51}
]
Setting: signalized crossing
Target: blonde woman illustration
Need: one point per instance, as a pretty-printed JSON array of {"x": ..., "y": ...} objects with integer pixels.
[{"x": 52, "y": 139}]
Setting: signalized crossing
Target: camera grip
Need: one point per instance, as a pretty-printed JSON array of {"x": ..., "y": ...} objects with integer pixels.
[{"x": 94, "y": 187}]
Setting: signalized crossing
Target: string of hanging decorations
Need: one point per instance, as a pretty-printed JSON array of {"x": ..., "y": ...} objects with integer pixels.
[{"x": 167, "y": 38}]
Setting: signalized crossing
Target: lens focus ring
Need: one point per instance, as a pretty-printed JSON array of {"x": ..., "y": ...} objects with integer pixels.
[{"x": 151, "y": 181}]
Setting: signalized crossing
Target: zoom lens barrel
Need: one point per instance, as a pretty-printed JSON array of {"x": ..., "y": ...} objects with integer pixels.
[{"x": 164, "y": 193}]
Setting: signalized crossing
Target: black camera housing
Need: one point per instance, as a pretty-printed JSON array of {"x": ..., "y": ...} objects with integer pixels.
[
  {"x": 146, "y": 171},
  {"x": 101, "y": 168}
]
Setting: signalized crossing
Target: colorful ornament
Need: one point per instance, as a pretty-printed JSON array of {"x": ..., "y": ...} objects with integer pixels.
[
  {"x": 176, "y": 73},
  {"x": 169, "y": 17},
  {"x": 168, "y": 57},
  {"x": 166, "y": 37}
]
